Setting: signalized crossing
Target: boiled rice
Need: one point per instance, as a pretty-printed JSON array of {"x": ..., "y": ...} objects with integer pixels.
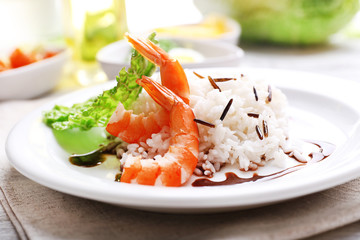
[{"x": 234, "y": 140}]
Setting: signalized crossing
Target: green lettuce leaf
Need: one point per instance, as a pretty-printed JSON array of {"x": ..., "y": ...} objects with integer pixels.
[{"x": 97, "y": 111}]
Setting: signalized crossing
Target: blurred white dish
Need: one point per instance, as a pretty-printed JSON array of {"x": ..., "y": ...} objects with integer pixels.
[
  {"x": 205, "y": 31},
  {"x": 115, "y": 56},
  {"x": 32, "y": 80}
]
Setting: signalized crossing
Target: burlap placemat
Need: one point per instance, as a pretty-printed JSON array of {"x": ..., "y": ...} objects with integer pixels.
[{"x": 41, "y": 213}]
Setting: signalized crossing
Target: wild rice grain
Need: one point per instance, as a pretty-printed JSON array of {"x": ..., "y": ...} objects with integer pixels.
[
  {"x": 198, "y": 75},
  {"x": 254, "y": 115},
  {"x": 204, "y": 123},
  {"x": 213, "y": 84},
  {"x": 269, "y": 97},
  {"x": 223, "y": 79},
  {"x": 223, "y": 115},
  {"x": 255, "y": 93},
  {"x": 265, "y": 128},
  {"x": 259, "y": 133}
]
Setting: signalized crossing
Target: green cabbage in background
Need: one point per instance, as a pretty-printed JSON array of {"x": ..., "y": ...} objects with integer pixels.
[{"x": 298, "y": 22}]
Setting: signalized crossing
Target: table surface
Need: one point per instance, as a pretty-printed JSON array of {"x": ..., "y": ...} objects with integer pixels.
[{"x": 341, "y": 59}]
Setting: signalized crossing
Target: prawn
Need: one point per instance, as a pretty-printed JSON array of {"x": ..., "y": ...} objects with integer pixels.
[
  {"x": 133, "y": 128},
  {"x": 171, "y": 72},
  {"x": 178, "y": 164}
]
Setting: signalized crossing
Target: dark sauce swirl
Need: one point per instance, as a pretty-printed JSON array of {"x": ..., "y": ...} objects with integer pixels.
[
  {"x": 93, "y": 158},
  {"x": 325, "y": 150},
  {"x": 87, "y": 160}
]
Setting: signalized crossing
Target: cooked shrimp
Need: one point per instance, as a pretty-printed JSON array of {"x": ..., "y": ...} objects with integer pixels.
[
  {"x": 172, "y": 74},
  {"x": 178, "y": 164},
  {"x": 133, "y": 128}
]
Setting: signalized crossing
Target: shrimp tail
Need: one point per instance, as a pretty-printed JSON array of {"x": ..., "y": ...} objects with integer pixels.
[
  {"x": 163, "y": 96},
  {"x": 145, "y": 47},
  {"x": 172, "y": 73}
]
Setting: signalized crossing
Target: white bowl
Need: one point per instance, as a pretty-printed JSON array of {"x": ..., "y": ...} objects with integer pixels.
[
  {"x": 115, "y": 56},
  {"x": 32, "y": 80}
]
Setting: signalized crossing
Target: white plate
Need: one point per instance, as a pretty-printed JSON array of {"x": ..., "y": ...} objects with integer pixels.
[{"x": 322, "y": 107}]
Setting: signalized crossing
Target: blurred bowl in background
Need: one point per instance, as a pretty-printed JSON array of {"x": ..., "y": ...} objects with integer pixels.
[
  {"x": 115, "y": 56},
  {"x": 214, "y": 27},
  {"x": 34, "y": 79},
  {"x": 287, "y": 22}
]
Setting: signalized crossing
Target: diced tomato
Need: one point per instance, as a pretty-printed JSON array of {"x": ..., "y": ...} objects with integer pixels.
[
  {"x": 49, "y": 54},
  {"x": 19, "y": 59}
]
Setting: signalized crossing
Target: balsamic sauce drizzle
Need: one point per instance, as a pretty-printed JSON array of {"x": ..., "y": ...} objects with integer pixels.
[
  {"x": 118, "y": 177},
  {"x": 91, "y": 159},
  {"x": 325, "y": 150}
]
